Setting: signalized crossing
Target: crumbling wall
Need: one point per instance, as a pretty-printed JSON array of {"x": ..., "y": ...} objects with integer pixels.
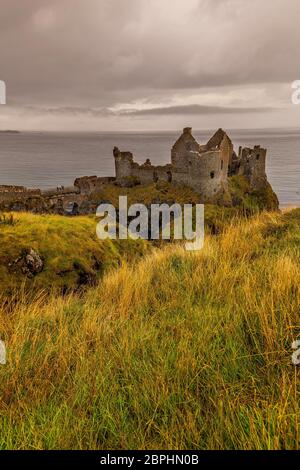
[
  {"x": 226, "y": 149},
  {"x": 147, "y": 174},
  {"x": 90, "y": 184},
  {"x": 182, "y": 148},
  {"x": 144, "y": 174},
  {"x": 123, "y": 163}
]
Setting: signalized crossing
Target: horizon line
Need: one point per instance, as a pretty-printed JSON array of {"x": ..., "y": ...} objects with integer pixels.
[{"x": 208, "y": 129}]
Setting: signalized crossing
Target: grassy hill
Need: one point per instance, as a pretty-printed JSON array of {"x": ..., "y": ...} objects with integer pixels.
[
  {"x": 72, "y": 254},
  {"x": 182, "y": 350}
]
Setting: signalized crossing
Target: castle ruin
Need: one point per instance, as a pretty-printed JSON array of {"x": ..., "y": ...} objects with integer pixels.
[{"x": 204, "y": 168}]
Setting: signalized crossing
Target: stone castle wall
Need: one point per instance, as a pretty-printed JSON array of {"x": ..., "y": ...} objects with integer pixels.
[
  {"x": 205, "y": 168},
  {"x": 253, "y": 166}
]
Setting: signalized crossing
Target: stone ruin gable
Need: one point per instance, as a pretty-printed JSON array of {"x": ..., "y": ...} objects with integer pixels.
[
  {"x": 186, "y": 149},
  {"x": 220, "y": 141},
  {"x": 252, "y": 164},
  {"x": 202, "y": 167},
  {"x": 182, "y": 148}
]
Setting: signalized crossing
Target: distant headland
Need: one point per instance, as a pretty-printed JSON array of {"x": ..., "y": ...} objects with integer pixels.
[{"x": 9, "y": 131}]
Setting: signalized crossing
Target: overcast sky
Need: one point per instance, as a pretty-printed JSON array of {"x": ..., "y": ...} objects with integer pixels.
[{"x": 149, "y": 64}]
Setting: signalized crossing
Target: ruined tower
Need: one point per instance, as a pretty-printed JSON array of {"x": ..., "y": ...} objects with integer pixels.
[{"x": 205, "y": 168}]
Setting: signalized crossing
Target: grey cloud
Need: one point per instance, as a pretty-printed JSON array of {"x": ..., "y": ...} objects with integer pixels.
[
  {"x": 96, "y": 54},
  {"x": 194, "y": 109},
  {"x": 96, "y": 47},
  {"x": 68, "y": 110}
]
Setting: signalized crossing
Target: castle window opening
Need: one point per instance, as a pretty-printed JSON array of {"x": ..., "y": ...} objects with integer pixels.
[
  {"x": 222, "y": 164},
  {"x": 155, "y": 177},
  {"x": 212, "y": 174},
  {"x": 169, "y": 175},
  {"x": 257, "y": 156}
]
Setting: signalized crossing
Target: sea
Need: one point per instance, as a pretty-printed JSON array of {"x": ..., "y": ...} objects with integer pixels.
[{"x": 49, "y": 159}]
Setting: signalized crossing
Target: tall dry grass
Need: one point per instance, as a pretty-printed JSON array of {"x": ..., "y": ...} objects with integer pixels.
[{"x": 183, "y": 350}]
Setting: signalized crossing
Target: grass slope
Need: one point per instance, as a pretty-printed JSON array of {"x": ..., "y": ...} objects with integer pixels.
[
  {"x": 184, "y": 350},
  {"x": 72, "y": 253}
]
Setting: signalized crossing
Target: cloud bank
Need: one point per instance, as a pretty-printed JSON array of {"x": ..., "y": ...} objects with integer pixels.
[{"x": 99, "y": 59}]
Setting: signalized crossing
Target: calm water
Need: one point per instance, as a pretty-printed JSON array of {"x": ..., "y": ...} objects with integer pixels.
[{"x": 47, "y": 160}]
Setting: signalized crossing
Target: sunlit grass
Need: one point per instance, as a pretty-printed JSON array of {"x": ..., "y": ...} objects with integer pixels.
[
  {"x": 69, "y": 247},
  {"x": 182, "y": 350}
]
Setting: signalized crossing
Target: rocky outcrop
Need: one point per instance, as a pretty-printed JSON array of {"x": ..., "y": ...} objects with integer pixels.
[{"x": 29, "y": 263}]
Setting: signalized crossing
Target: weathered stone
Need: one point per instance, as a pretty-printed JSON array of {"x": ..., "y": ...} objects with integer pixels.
[
  {"x": 204, "y": 168},
  {"x": 34, "y": 262},
  {"x": 29, "y": 263}
]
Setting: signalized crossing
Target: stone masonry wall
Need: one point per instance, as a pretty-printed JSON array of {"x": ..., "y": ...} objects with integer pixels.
[
  {"x": 202, "y": 167},
  {"x": 253, "y": 166}
]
